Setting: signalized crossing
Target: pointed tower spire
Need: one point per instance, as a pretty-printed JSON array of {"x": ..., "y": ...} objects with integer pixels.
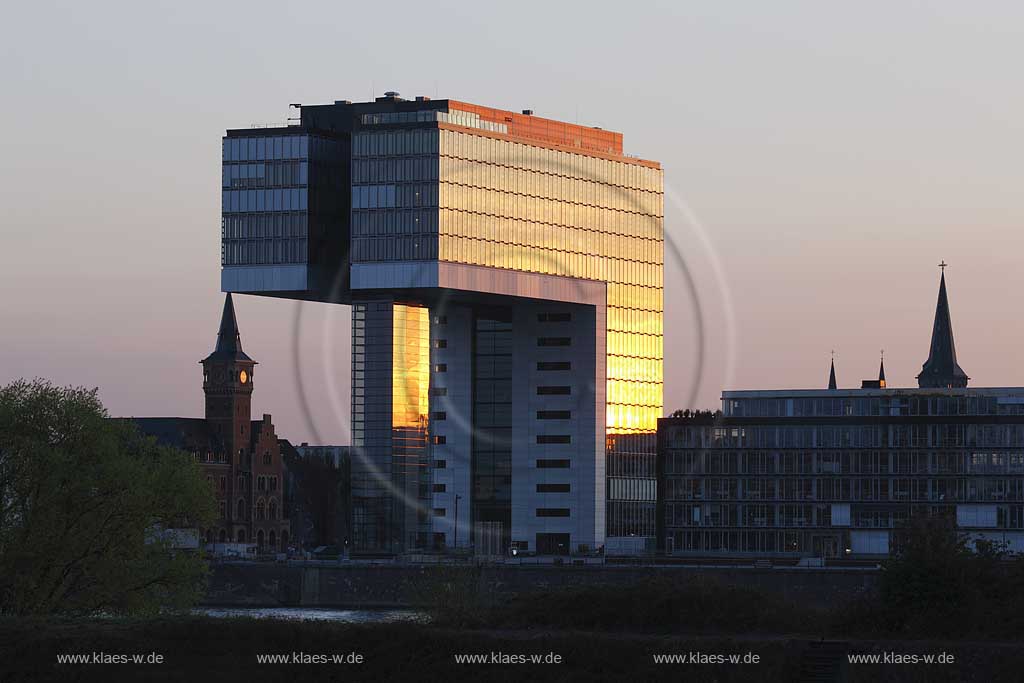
[
  {"x": 881, "y": 371},
  {"x": 832, "y": 374},
  {"x": 229, "y": 341},
  {"x": 941, "y": 369}
]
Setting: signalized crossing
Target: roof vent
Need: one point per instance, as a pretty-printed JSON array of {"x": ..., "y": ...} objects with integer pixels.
[
  {"x": 392, "y": 94},
  {"x": 422, "y": 98},
  {"x": 528, "y": 112}
]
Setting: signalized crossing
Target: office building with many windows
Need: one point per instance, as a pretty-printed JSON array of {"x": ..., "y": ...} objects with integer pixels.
[
  {"x": 833, "y": 473},
  {"x": 505, "y": 278}
]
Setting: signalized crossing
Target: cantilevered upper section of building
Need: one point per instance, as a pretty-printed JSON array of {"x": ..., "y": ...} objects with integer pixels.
[{"x": 435, "y": 181}]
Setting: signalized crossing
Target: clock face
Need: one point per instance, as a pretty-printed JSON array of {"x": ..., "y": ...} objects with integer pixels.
[{"x": 243, "y": 377}]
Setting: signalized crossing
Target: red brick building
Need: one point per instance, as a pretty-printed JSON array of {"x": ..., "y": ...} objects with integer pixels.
[{"x": 240, "y": 456}]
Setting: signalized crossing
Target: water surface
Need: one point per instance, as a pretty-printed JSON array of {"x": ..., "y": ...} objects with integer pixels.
[{"x": 348, "y": 616}]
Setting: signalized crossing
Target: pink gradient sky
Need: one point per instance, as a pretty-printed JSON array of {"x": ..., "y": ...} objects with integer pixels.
[{"x": 830, "y": 155}]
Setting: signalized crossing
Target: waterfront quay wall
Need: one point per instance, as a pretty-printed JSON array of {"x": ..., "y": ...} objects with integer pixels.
[{"x": 358, "y": 585}]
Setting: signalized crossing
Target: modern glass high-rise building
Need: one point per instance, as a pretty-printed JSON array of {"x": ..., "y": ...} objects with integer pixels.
[{"x": 505, "y": 278}]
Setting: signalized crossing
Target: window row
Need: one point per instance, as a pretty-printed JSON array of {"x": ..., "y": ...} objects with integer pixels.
[
  {"x": 235, "y": 201},
  {"x": 394, "y": 170},
  {"x": 265, "y": 174},
  {"x": 632, "y": 320},
  {"x": 838, "y": 462},
  {"x": 395, "y": 142},
  {"x": 252, "y": 225},
  {"x": 263, "y": 251},
  {"x": 548, "y": 236},
  {"x": 397, "y": 248},
  {"x": 367, "y": 223},
  {"x": 636, "y": 345},
  {"x": 266, "y": 147},
  {"x": 634, "y": 393},
  {"x": 628, "y": 419},
  {"x": 525, "y": 156},
  {"x": 631, "y": 276},
  {"x": 632, "y": 489},
  {"x": 638, "y": 222},
  {"x": 882, "y": 406},
  {"x": 526, "y": 183},
  {"x": 405, "y": 196}
]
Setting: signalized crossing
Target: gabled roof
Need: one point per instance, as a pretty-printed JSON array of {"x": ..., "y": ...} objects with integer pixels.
[
  {"x": 192, "y": 434},
  {"x": 229, "y": 341},
  {"x": 941, "y": 368}
]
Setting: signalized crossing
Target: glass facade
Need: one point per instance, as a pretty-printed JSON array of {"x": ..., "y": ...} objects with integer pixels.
[
  {"x": 491, "y": 464},
  {"x": 394, "y": 196},
  {"x": 479, "y": 199},
  {"x": 278, "y": 192},
  {"x": 463, "y": 188},
  {"x": 833, "y": 475},
  {"x": 522, "y": 207},
  {"x": 390, "y": 408}
]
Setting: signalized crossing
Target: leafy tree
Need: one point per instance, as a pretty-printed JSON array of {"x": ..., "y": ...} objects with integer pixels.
[
  {"x": 82, "y": 500},
  {"x": 937, "y": 583}
]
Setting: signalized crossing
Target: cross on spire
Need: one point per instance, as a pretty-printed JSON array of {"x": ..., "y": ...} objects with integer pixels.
[
  {"x": 943, "y": 265},
  {"x": 941, "y": 371}
]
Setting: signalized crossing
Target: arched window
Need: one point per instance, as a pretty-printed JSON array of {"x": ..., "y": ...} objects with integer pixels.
[
  {"x": 241, "y": 483},
  {"x": 222, "y": 536},
  {"x": 259, "y": 540},
  {"x": 241, "y": 509},
  {"x": 272, "y": 508},
  {"x": 260, "y": 510},
  {"x": 272, "y": 540},
  {"x": 240, "y": 537}
]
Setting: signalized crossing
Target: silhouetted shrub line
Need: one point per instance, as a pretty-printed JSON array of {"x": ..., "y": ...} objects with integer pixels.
[{"x": 936, "y": 585}]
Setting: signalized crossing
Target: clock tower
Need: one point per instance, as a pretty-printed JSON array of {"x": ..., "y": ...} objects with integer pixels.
[{"x": 227, "y": 383}]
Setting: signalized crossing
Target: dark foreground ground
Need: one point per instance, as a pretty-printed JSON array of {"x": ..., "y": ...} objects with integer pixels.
[{"x": 206, "y": 649}]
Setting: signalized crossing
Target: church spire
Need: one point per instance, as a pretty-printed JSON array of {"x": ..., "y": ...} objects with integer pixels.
[
  {"x": 941, "y": 370},
  {"x": 832, "y": 374},
  {"x": 229, "y": 341},
  {"x": 881, "y": 371}
]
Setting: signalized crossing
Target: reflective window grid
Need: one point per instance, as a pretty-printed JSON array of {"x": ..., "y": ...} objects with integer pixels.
[{"x": 464, "y": 196}]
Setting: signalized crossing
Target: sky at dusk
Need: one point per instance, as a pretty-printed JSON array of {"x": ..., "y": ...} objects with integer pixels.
[{"x": 820, "y": 160}]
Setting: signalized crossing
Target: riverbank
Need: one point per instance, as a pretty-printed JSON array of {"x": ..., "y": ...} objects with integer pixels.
[
  {"x": 250, "y": 584},
  {"x": 228, "y": 650}
]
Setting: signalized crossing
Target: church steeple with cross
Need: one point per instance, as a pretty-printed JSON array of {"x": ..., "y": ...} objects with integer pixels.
[{"x": 941, "y": 370}]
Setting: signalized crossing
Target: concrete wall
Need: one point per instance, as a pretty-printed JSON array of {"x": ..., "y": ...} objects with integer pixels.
[{"x": 252, "y": 584}]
